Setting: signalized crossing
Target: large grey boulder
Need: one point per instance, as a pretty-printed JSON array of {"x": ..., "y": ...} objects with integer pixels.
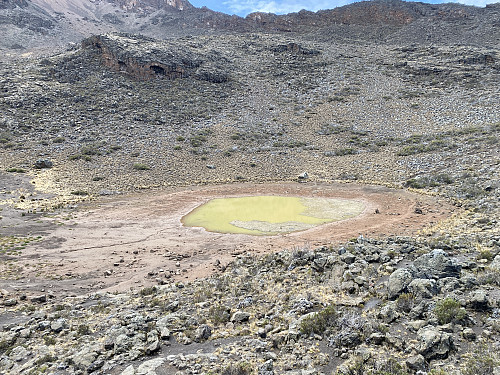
[
  {"x": 398, "y": 282},
  {"x": 478, "y": 300},
  {"x": 202, "y": 333},
  {"x": 436, "y": 265},
  {"x": 495, "y": 264},
  {"x": 240, "y": 316},
  {"x": 43, "y": 163},
  {"x": 149, "y": 367},
  {"x": 416, "y": 363},
  {"x": 434, "y": 344}
]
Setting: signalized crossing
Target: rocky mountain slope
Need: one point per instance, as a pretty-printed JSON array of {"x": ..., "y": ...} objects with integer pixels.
[
  {"x": 28, "y": 25},
  {"x": 391, "y": 93}
]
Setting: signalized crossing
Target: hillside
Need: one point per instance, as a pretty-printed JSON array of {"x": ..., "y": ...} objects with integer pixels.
[{"x": 156, "y": 107}]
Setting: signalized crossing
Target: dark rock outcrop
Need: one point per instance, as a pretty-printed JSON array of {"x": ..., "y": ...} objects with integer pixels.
[{"x": 145, "y": 58}]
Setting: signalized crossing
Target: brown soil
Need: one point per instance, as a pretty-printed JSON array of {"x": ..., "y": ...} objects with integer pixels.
[{"x": 137, "y": 240}]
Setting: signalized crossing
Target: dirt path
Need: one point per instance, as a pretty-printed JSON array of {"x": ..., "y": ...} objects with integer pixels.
[{"x": 138, "y": 240}]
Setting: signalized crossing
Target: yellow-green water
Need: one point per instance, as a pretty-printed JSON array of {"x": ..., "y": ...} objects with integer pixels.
[{"x": 268, "y": 215}]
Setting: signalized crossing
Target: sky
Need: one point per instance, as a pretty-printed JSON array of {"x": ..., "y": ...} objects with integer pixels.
[{"x": 244, "y": 7}]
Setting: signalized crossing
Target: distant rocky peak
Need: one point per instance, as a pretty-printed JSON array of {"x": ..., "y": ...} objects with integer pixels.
[
  {"x": 144, "y": 5},
  {"x": 6, "y": 4}
]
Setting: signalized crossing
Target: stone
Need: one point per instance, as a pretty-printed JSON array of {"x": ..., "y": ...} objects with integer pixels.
[
  {"x": 347, "y": 339},
  {"x": 436, "y": 265},
  {"x": 434, "y": 344},
  {"x": 398, "y": 282},
  {"x": 84, "y": 358},
  {"x": 377, "y": 338},
  {"x": 122, "y": 343},
  {"x": 266, "y": 368},
  {"x": 448, "y": 284},
  {"x": 202, "y": 333},
  {"x": 389, "y": 312},
  {"x": 19, "y": 353},
  {"x": 495, "y": 264},
  {"x": 152, "y": 342},
  {"x": 348, "y": 258},
  {"x": 43, "y": 163},
  {"x": 478, "y": 300},
  {"x": 10, "y": 302},
  {"x": 39, "y": 299},
  {"x": 164, "y": 333},
  {"x": 240, "y": 316},
  {"x": 423, "y": 288},
  {"x": 469, "y": 334},
  {"x": 148, "y": 62},
  {"x": 416, "y": 363},
  {"x": 58, "y": 325},
  {"x": 149, "y": 367},
  {"x": 128, "y": 371}
]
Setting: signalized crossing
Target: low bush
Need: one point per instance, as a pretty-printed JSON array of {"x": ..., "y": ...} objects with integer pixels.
[
  {"x": 140, "y": 167},
  {"x": 319, "y": 322},
  {"x": 449, "y": 310}
]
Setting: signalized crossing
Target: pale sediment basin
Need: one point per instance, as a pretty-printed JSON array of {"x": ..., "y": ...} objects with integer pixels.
[{"x": 270, "y": 215}]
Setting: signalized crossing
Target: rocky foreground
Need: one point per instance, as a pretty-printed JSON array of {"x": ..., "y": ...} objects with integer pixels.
[{"x": 395, "y": 305}]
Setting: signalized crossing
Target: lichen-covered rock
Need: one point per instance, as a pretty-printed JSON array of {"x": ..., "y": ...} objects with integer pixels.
[
  {"x": 398, "y": 282},
  {"x": 423, "y": 288},
  {"x": 43, "y": 163},
  {"x": 240, "y": 316},
  {"x": 147, "y": 58},
  {"x": 436, "y": 265},
  {"x": 434, "y": 344}
]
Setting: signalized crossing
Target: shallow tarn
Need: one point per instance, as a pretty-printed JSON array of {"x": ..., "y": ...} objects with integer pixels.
[{"x": 270, "y": 215}]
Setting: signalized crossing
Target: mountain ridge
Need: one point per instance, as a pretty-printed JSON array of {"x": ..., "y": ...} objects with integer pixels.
[{"x": 41, "y": 24}]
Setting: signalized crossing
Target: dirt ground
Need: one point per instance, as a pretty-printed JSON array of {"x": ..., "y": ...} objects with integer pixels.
[{"x": 132, "y": 241}]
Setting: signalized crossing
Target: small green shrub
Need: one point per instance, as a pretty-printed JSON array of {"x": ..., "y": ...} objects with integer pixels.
[
  {"x": 49, "y": 340},
  {"x": 16, "y": 170},
  {"x": 90, "y": 150},
  {"x": 242, "y": 368},
  {"x": 360, "y": 367},
  {"x": 319, "y": 322},
  {"x": 449, "y": 310},
  {"x": 429, "y": 181},
  {"x": 83, "y": 330},
  {"x": 58, "y": 140},
  {"x": 148, "y": 291},
  {"x": 345, "y": 151},
  {"x": 219, "y": 314},
  {"x": 140, "y": 167},
  {"x": 486, "y": 254},
  {"x": 201, "y": 295},
  {"x": 80, "y": 193},
  {"x": 483, "y": 361}
]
